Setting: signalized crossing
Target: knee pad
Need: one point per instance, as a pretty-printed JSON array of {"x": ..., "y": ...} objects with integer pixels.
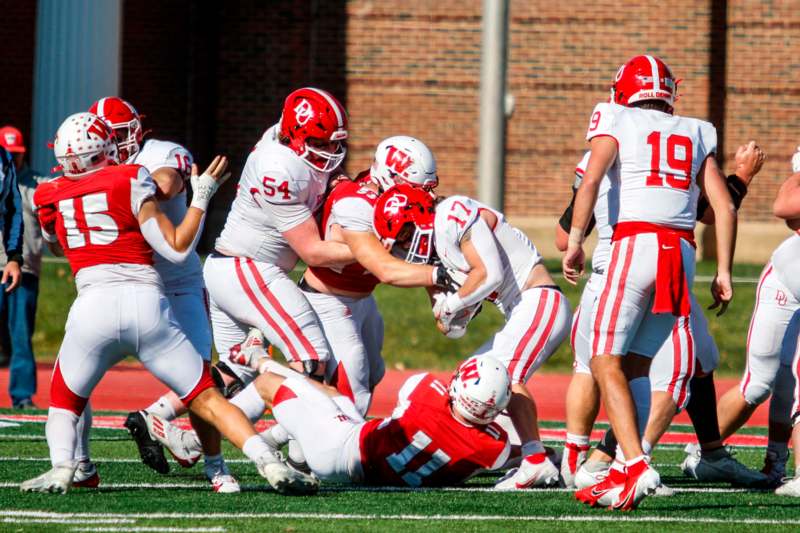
[{"x": 231, "y": 389}]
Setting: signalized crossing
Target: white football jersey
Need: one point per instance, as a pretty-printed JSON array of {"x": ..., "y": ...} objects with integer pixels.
[
  {"x": 659, "y": 158},
  {"x": 455, "y": 216},
  {"x": 157, "y": 154},
  {"x": 277, "y": 191},
  {"x": 786, "y": 262},
  {"x": 606, "y": 211}
]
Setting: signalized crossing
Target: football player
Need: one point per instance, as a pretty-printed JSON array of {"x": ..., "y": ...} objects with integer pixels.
[
  {"x": 662, "y": 163},
  {"x": 170, "y": 166},
  {"x": 437, "y": 435},
  {"x": 495, "y": 262},
  {"x": 772, "y": 344},
  {"x": 104, "y": 218},
  {"x": 785, "y": 262},
  {"x": 668, "y": 384}
]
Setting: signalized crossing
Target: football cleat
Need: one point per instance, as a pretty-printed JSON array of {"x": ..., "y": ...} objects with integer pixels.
[
  {"x": 642, "y": 480},
  {"x": 86, "y": 476},
  {"x": 605, "y": 492},
  {"x": 150, "y": 450},
  {"x": 536, "y": 470},
  {"x": 251, "y": 351},
  {"x": 57, "y": 480},
  {"x": 663, "y": 491},
  {"x": 283, "y": 478},
  {"x": 221, "y": 479},
  {"x": 790, "y": 488},
  {"x": 184, "y": 446},
  {"x": 591, "y": 473},
  {"x": 774, "y": 468},
  {"x": 720, "y": 465},
  {"x": 572, "y": 459}
]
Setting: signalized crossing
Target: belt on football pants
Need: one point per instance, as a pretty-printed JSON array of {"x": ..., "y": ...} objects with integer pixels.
[{"x": 305, "y": 287}]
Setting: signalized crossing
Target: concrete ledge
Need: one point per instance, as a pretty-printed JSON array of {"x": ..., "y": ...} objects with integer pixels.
[{"x": 754, "y": 244}]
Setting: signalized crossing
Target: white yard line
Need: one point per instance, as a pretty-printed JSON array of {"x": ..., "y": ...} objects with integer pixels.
[
  {"x": 73, "y": 521},
  {"x": 152, "y": 528},
  {"x": 609, "y": 517},
  {"x": 361, "y": 488}
]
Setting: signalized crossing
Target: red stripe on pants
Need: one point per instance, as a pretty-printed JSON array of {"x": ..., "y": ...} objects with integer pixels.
[
  {"x": 544, "y": 337},
  {"x": 260, "y": 308},
  {"x": 309, "y": 348},
  {"x": 620, "y": 292},
  {"x": 537, "y": 318},
  {"x": 601, "y": 306}
]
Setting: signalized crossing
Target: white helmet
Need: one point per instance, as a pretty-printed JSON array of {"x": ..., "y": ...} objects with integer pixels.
[
  {"x": 480, "y": 389},
  {"x": 83, "y": 143},
  {"x": 403, "y": 159}
]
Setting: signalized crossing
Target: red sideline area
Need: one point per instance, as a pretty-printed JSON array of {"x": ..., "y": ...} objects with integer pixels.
[{"x": 128, "y": 387}]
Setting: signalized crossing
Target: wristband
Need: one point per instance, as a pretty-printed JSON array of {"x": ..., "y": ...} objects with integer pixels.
[
  {"x": 737, "y": 189},
  {"x": 203, "y": 188}
]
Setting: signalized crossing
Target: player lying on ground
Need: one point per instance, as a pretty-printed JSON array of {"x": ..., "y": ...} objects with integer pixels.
[
  {"x": 437, "y": 435},
  {"x": 104, "y": 218},
  {"x": 668, "y": 382},
  {"x": 663, "y": 162},
  {"x": 496, "y": 262}
]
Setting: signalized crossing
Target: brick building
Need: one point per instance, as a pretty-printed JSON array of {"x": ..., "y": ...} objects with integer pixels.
[{"x": 213, "y": 76}]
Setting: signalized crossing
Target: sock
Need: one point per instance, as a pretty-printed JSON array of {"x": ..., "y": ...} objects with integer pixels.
[
  {"x": 255, "y": 447},
  {"x": 619, "y": 457},
  {"x": 635, "y": 460},
  {"x": 578, "y": 440},
  {"x": 780, "y": 449},
  {"x": 61, "y": 431},
  {"x": 702, "y": 409},
  {"x": 250, "y": 402},
  {"x": 531, "y": 447},
  {"x": 214, "y": 465},
  {"x": 608, "y": 444},
  {"x": 348, "y": 408},
  {"x": 647, "y": 448},
  {"x": 276, "y": 436},
  {"x": 640, "y": 390},
  {"x": 296, "y": 454},
  {"x": 163, "y": 408},
  {"x": 82, "y": 429},
  {"x": 780, "y": 403}
]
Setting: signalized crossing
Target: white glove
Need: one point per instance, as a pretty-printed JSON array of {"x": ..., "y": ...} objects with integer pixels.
[
  {"x": 453, "y": 323},
  {"x": 206, "y": 184},
  {"x": 796, "y": 161}
]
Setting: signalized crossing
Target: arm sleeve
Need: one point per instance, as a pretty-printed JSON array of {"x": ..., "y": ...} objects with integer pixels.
[
  {"x": 12, "y": 217},
  {"x": 152, "y": 234},
  {"x": 142, "y": 188}
]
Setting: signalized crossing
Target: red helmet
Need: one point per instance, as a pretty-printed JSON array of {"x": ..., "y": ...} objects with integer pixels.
[
  {"x": 403, "y": 222},
  {"x": 644, "y": 78},
  {"x": 314, "y": 114},
  {"x": 126, "y": 123}
]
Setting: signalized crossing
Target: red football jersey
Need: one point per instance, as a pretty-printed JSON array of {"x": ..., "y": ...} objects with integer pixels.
[
  {"x": 422, "y": 444},
  {"x": 353, "y": 277},
  {"x": 94, "y": 218}
]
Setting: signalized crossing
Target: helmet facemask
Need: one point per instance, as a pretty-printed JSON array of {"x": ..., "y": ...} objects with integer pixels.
[
  {"x": 128, "y": 136},
  {"x": 413, "y": 244}
]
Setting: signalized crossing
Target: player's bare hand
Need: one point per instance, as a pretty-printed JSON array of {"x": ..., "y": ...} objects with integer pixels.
[
  {"x": 336, "y": 180},
  {"x": 12, "y": 275},
  {"x": 572, "y": 264},
  {"x": 749, "y": 160},
  {"x": 722, "y": 292}
]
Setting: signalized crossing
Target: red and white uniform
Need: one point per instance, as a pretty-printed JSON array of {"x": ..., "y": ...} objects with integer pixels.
[
  {"x": 121, "y": 308},
  {"x": 183, "y": 283},
  {"x": 673, "y": 366},
  {"x": 247, "y": 279},
  {"x": 353, "y": 325},
  {"x": 657, "y": 163},
  {"x": 774, "y": 326},
  {"x": 420, "y": 445},
  {"x": 537, "y": 319}
]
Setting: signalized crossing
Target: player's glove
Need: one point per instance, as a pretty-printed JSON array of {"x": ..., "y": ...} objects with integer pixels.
[
  {"x": 206, "y": 184},
  {"x": 311, "y": 369},
  {"x": 446, "y": 279},
  {"x": 453, "y": 323}
]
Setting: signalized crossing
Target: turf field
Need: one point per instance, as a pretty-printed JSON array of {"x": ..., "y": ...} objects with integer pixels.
[{"x": 133, "y": 498}]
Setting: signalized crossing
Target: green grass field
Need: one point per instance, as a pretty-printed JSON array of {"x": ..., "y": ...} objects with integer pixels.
[
  {"x": 411, "y": 339},
  {"x": 133, "y": 498}
]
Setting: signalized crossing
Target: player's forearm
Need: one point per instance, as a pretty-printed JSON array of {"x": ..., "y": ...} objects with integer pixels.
[
  {"x": 725, "y": 229},
  {"x": 327, "y": 254},
  {"x": 188, "y": 231},
  {"x": 585, "y": 199},
  {"x": 393, "y": 271}
]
